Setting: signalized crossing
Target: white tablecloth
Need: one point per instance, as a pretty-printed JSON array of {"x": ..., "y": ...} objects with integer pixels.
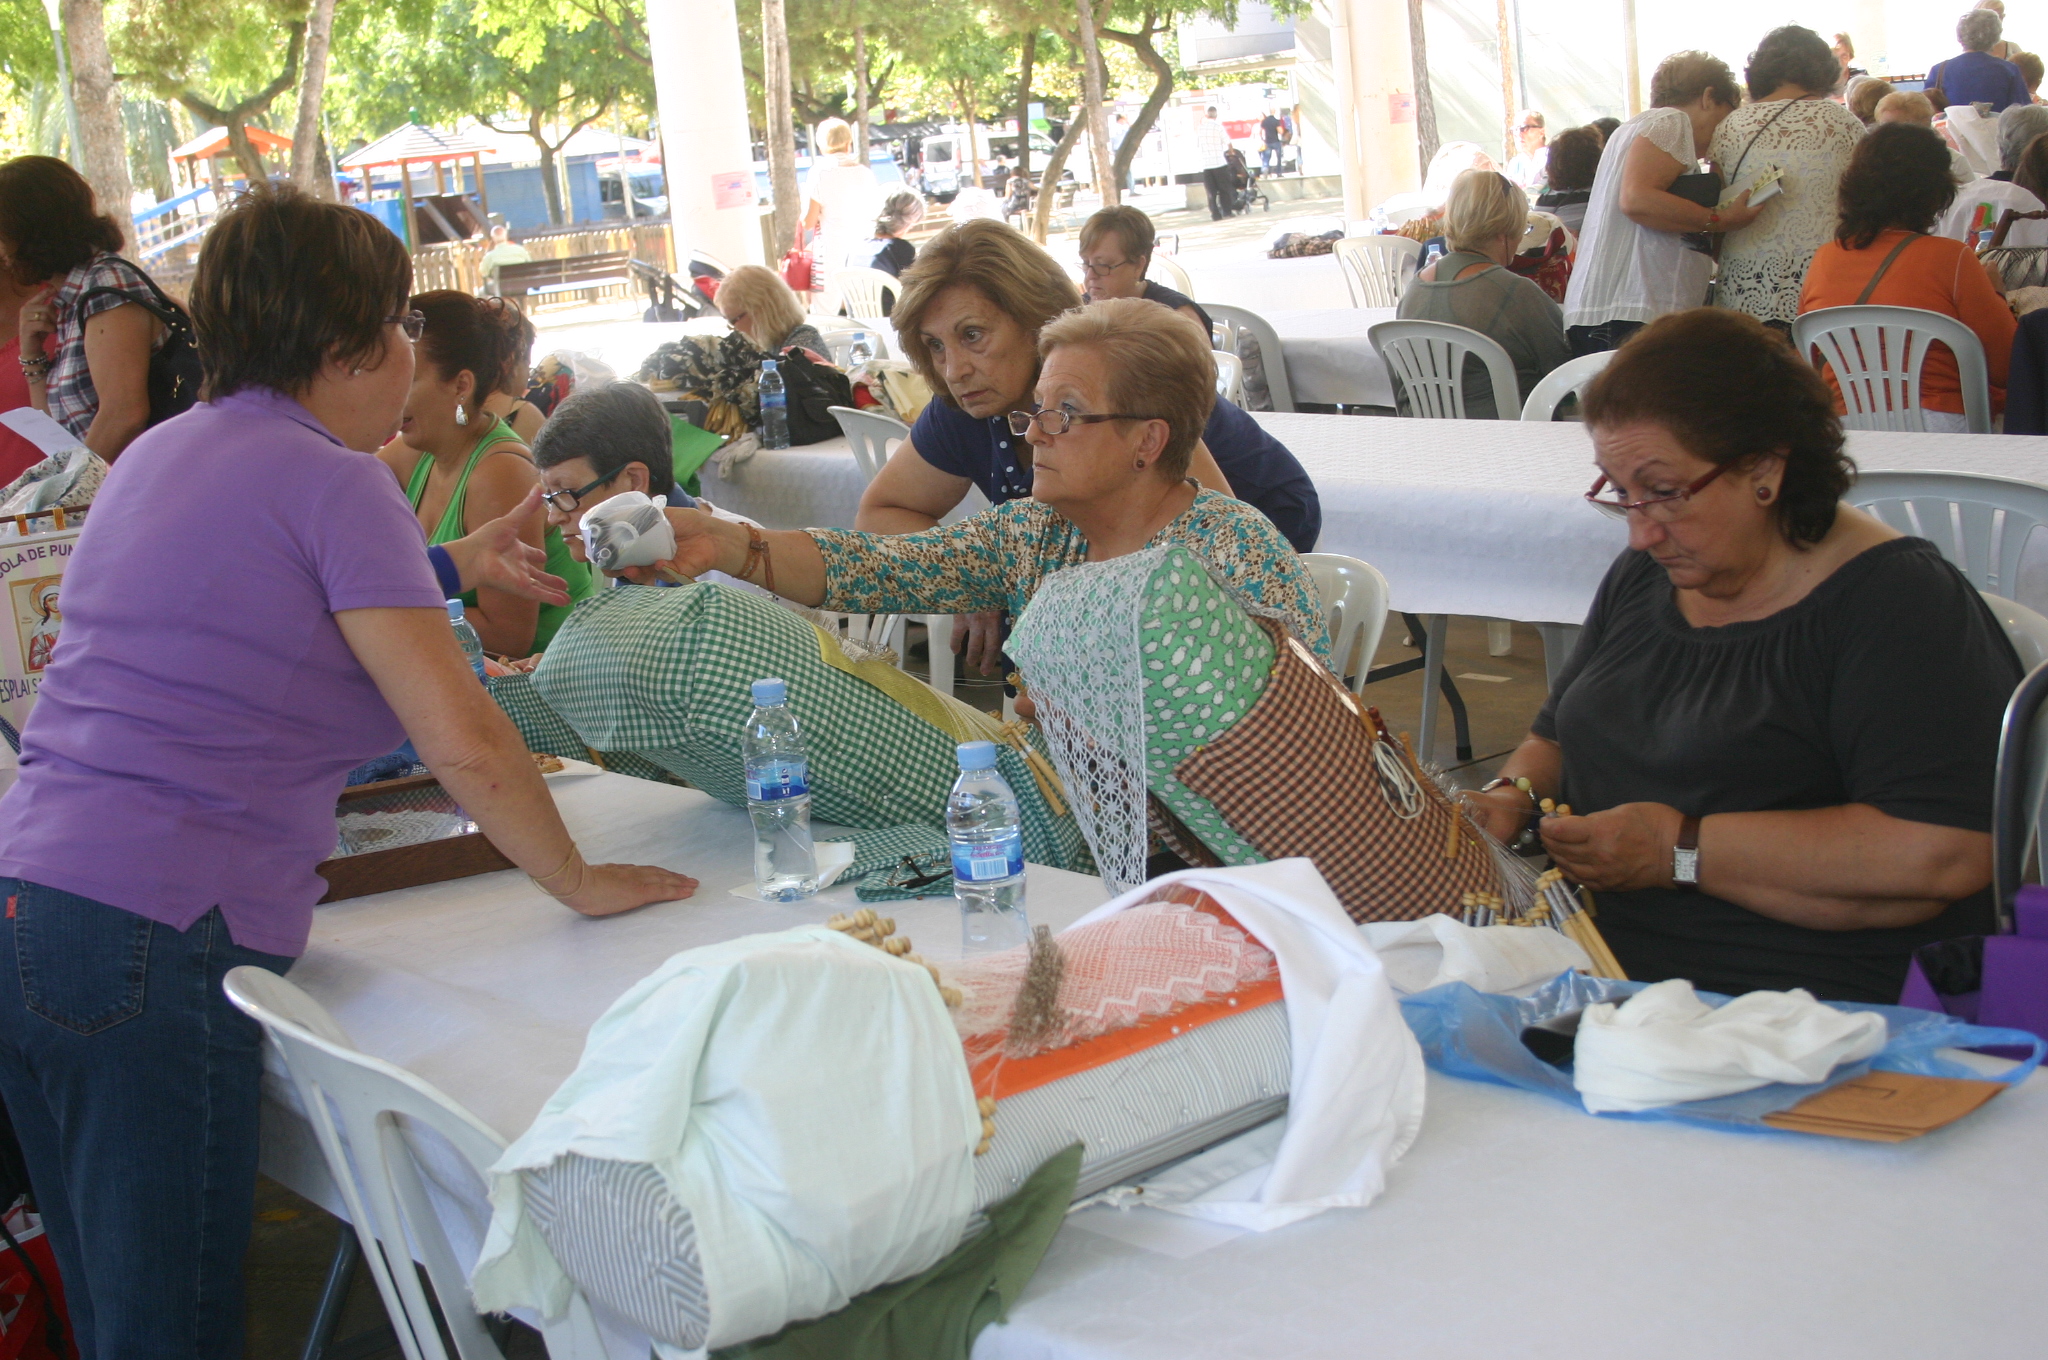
[
  {"x": 1329, "y": 360},
  {"x": 1487, "y": 518},
  {"x": 1309, "y": 283}
]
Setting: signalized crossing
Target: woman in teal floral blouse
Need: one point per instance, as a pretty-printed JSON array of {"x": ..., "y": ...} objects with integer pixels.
[{"x": 1122, "y": 396}]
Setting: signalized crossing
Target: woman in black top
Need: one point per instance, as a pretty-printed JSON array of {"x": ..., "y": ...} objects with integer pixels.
[
  {"x": 1820, "y": 692},
  {"x": 1116, "y": 249}
]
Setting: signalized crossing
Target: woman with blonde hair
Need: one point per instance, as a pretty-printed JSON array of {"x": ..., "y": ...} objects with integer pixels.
[
  {"x": 761, "y": 307},
  {"x": 844, "y": 196},
  {"x": 1484, "y": 223}
]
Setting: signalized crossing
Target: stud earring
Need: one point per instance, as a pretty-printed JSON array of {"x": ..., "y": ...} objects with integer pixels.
[
  {"x": 461, "y": 416},
  {"x": 355, "y": 373},
  {"x": 1139, "y": 464},
  {"x": 1763, "y": 495}
]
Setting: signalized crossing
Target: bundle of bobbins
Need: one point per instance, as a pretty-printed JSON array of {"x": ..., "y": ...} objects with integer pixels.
[{"x": 880, "y": 931}]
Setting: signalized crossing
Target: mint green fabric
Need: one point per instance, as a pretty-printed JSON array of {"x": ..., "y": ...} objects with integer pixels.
[{"x": 938, "y": 1314}]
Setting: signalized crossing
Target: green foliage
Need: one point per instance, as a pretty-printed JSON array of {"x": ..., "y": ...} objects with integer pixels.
[
  {"x": 28, "y": 52},
  {"x": 222, "y": 50}
]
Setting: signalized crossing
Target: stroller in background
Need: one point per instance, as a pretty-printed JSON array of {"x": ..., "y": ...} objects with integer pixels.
[{"x": 1244, "y": 184}]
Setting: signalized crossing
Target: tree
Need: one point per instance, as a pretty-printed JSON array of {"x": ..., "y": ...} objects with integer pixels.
[
  {"x": 1091, "y": 96},
  {"x": 102, "y": 143},
  {"x": 225, "y": 62},
  {"x": 312, "y": 85},
  {"x": 781, "y": 130}
]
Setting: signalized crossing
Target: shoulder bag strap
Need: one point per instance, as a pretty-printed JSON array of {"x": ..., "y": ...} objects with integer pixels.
[
  {"x": 163, "y": 309},
  {"x": 1760, "y": 132},
  {"x": 1897, "y": 250}
]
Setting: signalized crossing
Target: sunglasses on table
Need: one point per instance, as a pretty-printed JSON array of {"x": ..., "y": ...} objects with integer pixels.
[
  {"x": 1659, "y": 508},
  {"x": 1057, "y": 420}
]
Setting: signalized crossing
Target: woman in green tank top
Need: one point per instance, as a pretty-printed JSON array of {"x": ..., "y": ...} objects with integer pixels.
[{"x": 449, "y": 450}]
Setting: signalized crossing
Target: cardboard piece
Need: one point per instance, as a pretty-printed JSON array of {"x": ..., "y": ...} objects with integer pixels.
[{"x": 1886, "y": 1107}]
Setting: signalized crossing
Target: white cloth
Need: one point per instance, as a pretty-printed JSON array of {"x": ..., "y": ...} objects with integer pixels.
[
  {"x": 1628, "y": 272},
  {"x": 1810, "y": 142},
  {"x": 745, "y": 1074},
  {"x": 850, "y": 197},
  {"x": 1530, "y": 169},
  {"x": 1664, "y": 1045},
  {"x": 1419, "y": 955},
  {"x": 1992, "y": 197},
  {"x": 1355, "y": 1096}
]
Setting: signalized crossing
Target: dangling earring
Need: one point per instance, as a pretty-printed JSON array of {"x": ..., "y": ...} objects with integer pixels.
[{"x": 461, "y": 416}]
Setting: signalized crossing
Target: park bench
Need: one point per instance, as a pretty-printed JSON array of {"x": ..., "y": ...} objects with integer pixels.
[{"x": 539, "y": 280}]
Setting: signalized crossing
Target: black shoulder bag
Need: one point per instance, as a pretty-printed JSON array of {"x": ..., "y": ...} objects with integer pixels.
[
  {"x": 813, "y": 390},
  {"x": 1704, "y": 188},
  {"x": 174, "y": 370}
]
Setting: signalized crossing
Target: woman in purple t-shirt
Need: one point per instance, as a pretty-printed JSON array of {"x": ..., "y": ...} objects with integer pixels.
[{"x": 249, "y": 614}]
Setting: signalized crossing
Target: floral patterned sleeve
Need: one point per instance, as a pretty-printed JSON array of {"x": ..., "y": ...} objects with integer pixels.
[
  {"x": 956, "y": 569},
  {"x": 1258, "y": 564}
]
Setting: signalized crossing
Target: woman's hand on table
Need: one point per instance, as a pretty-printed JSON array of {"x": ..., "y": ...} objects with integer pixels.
[
  {"x": 609, "y": 889},
  {"x": 1620, "y": 849}
]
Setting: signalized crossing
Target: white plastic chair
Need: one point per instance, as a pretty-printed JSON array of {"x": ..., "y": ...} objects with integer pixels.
[
  {"x": 1568, "y": 379},
  {"x": 361, "y": 1108},
  {"x": 839, "y": 340},
  {"x": 2019, "y": 806},
  {"x": 861, "y": 291},
  {"x": 1233, "y": 324},
  {"x": 1377, "y": 268},
  {"x": 1229, "y": 376},
  {"x": 1354, "y": 596},
  {"x": 1427, "y": 361},
  {"x": 1878, "y": 354},
  {"x": 1168, "y": 271},
  {"x": 1981, "y": 524},
  {"x": 2025, "y": 629},
  {"x": 870, "y": 435}
]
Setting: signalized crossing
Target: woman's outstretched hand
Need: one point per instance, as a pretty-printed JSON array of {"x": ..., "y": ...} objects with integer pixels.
[
  {"x": 1621, "y": 849},
  {"x": 496, "y": 556},
  {"x": 609, "y": 889},
  {"x": 701, "y": 546}
]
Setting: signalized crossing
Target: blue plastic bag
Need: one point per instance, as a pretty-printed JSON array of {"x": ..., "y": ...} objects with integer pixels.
[{"x": 1478, "y": 1035}]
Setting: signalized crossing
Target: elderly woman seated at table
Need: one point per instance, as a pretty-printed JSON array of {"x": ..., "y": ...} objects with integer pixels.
[
  {"x": 1121, "y": 398},
  {"x": 602, "y": 443},
  {"x": 1778, "y": 730},
  {"x": 761, "y": 307},
  {"x": 1484, "y": 223},
  {"x": 970, "y": 316},
  {"x": 1116, "y": 252}
]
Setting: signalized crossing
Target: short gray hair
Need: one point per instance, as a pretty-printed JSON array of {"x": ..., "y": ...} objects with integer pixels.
[
  {"x": 2018, "y": 125},
  {"x": 1979, "y": 30},
  {"x": 609, "y": 427}
]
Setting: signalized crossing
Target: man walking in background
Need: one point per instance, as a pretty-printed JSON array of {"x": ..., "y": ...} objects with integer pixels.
[
  {"x": 1212, "y": 144},
  {"x": 1270, "y": 152}
]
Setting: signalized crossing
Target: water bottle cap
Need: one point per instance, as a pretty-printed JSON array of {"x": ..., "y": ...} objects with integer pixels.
[
  {"x": 770, "y": 691},
  {"x": 977, "y": 755},
  {"x": 767, "y": 365},
  {"x": 454, "y": 609}
]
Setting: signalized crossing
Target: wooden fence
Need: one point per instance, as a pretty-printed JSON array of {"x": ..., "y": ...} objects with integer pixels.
[{"x": 456, "y": 264}]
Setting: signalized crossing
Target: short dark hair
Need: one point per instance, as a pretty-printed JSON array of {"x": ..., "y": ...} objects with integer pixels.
[
  {"x": 1979, "y": 30},
  {"x": 1792, "y": 55},
  {"x": 485, "y": 336},
  {"x": 49, "y": 222},
  {"x": 1134, "y": 230},
  {"x": 2031, "y": 68},
  {"x": 286, "y": 282},
  {"x": 1898, "y": 176},
  {"x": 1574, "y": 159},
  {"x": 1683, "y": 77},
  {"x": 609, "y": 427},
  {"x": 2031, "y": 173},
  {"x": 1605, "y": 127},
  {"x": 1729, "y": 389}
]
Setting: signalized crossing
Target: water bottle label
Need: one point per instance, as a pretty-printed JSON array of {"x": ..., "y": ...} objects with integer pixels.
[
  {"x": 773, "y": 780},
  {"x": 992, "y": 859}
]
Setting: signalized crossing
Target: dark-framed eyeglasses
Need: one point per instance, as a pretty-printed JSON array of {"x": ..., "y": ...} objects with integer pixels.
[
  {"x": 1095, "y": 269},
  {"x": 914, "y": 872},
  {"x": 414, "y": 324},
  {"x": 1057, "y": 420},
  {"x": 1660, "y": 508},
  {"x": 566, "y": 502}
]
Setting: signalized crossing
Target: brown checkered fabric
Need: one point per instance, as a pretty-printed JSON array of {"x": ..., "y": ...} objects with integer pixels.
[
  {"x": 1174, "y": 835},
  {"x": 1304, "y": 750}
]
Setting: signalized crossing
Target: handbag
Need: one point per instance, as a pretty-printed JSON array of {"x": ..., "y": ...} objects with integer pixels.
[
  {"x": 1549, "y": 269},
  {"x": 812, "y": 390},
  {"x": 797, "y": 266},
  {"x": 1704, "y": 187},
  {"x": 174, "y": 368},
  {"x": 1995, "y": 980},
  {"x": 2016, "y": 266}
]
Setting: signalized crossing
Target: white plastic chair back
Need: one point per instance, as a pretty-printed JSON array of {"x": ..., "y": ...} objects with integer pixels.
[
  {"x": 869, "y": 434},
  {"x": 1354, "y": 596},
  {"x": 1976, "y": 136},
  {"x": 1981, "y": 524},
  {"x": 861, "y": 290},
  {"x": 839, "y": 340},
  {"x": 1167, "y": 270},
  {"x": 1229, "y": 377},
  {"x": 359, "y": 1107},
  {"x": 2025, "y": 629},
  {"x": 1233, "y": 324},
  {"x": 1878, "y": 354},
  {"x": 2019, "y": 808},
  {"x": 1377, "y": 268},
  {"x": 1568, "y": 379},
  {"x": 1989, "y": 198},
  {"x": 1427, "y": 361}
]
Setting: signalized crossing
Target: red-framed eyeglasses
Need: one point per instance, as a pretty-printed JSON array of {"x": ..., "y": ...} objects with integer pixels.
[{"x": 1620, "y": 508}]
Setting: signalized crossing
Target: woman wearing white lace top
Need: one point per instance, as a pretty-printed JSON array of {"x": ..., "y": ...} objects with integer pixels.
[
  {"x": 1792, "y": 128},
  {"x": 1633, "y": 266}
]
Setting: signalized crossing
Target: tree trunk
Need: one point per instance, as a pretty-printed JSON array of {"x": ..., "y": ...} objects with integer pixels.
[
  {"x": 1510, "y": 139},
  {"x": 102, "y": 141},
  {"x": 550, "y": 173},
  {"x": 775, "y": 93},
  {"x": 1426, "y": 139},
  {"x": 236, "y": 117},
  {"x": 1162, "y": 89},
  {"x": 860, "y": 94},
  {"x": 1092, "y": 72},
  {"x": 1024, "y": 73},
  {"x": 1049, "y": 184},
  {"x": 312, "y": 84},
  {"x": 964, "y": 97}
]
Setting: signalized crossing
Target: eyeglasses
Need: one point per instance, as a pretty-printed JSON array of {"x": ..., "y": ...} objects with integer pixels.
[
  {"x": 914, "y": 872},
  {"x": 565, "y": 502},
  {"x": 412, "y": 323},
  {"x": 1057, "y": 420},
  {"x": 1095, "y": 270},
  {"x": 1663, "y": 509}
]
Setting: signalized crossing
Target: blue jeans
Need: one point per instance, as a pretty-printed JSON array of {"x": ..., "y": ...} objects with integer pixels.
[{"x": 133, "y": 1086}]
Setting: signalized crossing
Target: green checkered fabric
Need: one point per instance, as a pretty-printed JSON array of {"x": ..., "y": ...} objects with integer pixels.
[
  {"x": 545, "y": 731},
  {"x": 665, "y": 674},
  {"x": 878, "y": 857}
]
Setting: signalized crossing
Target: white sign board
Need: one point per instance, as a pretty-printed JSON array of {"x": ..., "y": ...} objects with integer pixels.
[{"x": 31, "y": 571}]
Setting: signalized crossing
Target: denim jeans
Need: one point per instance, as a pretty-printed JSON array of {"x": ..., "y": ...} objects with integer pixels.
[{"x": 133, "y": 1085}]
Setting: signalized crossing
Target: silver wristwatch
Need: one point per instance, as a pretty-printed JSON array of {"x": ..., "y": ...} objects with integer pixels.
[{"x": 1685, "y": 855}]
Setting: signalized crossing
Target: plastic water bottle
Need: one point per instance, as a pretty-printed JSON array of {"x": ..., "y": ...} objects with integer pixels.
[
  {"x": 860, "y": 351},
  {"x": 774, "y": 408},
  {"x": 778, "y": 797},
  {"x": 987, "y": 834},
  {"x": 465, "y": 633}
]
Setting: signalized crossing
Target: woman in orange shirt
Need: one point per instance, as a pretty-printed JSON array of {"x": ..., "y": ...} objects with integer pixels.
[{"x": 1896, "y": 187}]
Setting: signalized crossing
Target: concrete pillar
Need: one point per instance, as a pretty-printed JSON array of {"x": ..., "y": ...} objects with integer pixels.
[
  {"x": 1374, "y": 82},
  {"x": 701, "y": 98}
]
